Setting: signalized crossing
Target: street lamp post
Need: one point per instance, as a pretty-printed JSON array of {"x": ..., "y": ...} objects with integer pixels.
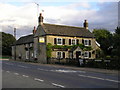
[{"x": 15, "y": 44}]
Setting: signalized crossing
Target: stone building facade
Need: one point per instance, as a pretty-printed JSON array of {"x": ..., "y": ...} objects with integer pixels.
[{"x": 60, "y": 41}]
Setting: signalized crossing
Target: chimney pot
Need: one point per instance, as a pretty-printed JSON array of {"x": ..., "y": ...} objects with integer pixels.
[
  {"x": 40, "y": 19},
  {"x": 85, "y": 24},
  {"x": 34, "y": 30}
]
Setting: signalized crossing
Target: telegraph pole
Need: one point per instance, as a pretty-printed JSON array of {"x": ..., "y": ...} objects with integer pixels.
[{"x": 15, "y": 44}]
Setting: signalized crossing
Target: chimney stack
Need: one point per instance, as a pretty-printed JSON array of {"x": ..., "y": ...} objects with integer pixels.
[
  {"x": 34, "y": 30},
  {"x": 85, "y": 24},
  {"x": 40, "y": 19}
]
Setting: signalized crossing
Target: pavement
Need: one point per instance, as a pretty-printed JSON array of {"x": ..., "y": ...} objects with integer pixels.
[{"x": 24, "y": 75}]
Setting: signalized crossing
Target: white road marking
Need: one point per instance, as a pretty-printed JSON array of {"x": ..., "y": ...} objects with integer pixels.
[
  {"x": 67, "y": 71},
  {"x": 58, "y": 85},
  {"x": 25, "y": 76},
  {"x": 100, "y": 78},
  {"x": 91, "y": 77},
  {"x": 113, "y": 80},
  {"x": 38, "y": 79},
  {"x": 16, "y": 73},
  {"x": 23, "y": 66},
  {"x": 81, "y": 71},
  {"x": 43, "y": 69},
  {"x": 8, "y": 71},
  {"x": 62, "y": 71}
]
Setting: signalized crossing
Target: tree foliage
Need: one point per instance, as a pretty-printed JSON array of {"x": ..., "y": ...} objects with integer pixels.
[
  {"x": 104, "y": 38},
  {"x": 110, "y": 44},
  {"x": 116, "y": 41},
  {"x": 7, "y": 41}
]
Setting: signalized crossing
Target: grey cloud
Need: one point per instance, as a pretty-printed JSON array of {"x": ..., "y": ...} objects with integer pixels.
[
  {"x": 109, "y": 15},
  {"x": 119, "y": 14},
  {"x": 24, "y": 30},
  {"x": 106, "y": 17}
]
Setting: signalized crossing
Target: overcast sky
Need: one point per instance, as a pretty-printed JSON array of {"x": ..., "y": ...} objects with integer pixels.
[{"x": 23, "y": 14}]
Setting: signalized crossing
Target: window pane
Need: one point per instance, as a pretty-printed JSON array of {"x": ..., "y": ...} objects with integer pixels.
[
  {"x": 86, "y": 54},
  {"x": 86, "y": 42},
  {"x": 73, "y": 42},
  {"x": 58, "y": 54},
  {"x": 59, "y": 41}
]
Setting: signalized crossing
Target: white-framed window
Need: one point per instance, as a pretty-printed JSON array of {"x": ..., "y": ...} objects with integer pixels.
[
  {"x": 35, "y": 53},
  {"x": 71, "y": 55},
  {"x": 27, "y": 54},
  {"x": 26, "y": 45},
  {"x": 32, "y": 55},
  {"x": 60, "y": 55},
  {"x": 59, "y": 41},
  {"x": 87, "y": 42},
  {"x": 31, "y": 44},
  {"x": 86, "y": 54},
  {"x": 73, "y": 41}
]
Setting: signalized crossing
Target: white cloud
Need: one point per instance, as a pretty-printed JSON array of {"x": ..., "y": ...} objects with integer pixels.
[
  {"x": 20, "y": 16},
  {"x": 59, "y": 0},
  {"x": 25, "y": 17}
]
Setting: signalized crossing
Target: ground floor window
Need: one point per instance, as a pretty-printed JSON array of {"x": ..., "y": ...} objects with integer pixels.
[
  {"x": 27, "y": 54},
  {"x": 35, "y": 53},
  {"x": 32, "y": 55},
  {"x": 60, "y": 55},
  {"x": 87, "y": 54},
  {"x": 70, "y": 55}
]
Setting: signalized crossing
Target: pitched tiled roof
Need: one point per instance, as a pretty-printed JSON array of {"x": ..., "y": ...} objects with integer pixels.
[
  {"x": 66, "y": 30},
  {"x": 24, "y": 40}
]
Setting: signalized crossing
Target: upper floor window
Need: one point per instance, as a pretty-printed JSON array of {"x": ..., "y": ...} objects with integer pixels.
[
  {"x": 73, "y": 41},
  {"x": 59, "y": 41},
  {"x": 86, "y": 42}
]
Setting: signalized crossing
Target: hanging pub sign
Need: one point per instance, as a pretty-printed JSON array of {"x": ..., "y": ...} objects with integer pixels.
[{"x": 41, "y": 40}]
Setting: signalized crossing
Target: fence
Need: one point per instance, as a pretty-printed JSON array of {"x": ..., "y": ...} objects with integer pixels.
[{"x": 103, "y": 64}]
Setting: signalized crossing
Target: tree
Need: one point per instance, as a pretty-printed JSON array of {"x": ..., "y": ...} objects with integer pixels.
[
  {"x": 116, "y": 41},
  {"x": 7, "y": 41},
  {"x": 104, "y": 38}
]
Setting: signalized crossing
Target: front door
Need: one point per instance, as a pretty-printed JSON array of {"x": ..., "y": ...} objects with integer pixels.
[{"x": 78, "y": 54}]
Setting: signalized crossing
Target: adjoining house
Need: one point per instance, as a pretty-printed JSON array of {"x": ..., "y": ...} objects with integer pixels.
[{"x": 51, "y": 43}]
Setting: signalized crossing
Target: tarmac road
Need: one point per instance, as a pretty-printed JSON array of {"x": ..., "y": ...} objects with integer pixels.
[{"x": 26, "y": 75}]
